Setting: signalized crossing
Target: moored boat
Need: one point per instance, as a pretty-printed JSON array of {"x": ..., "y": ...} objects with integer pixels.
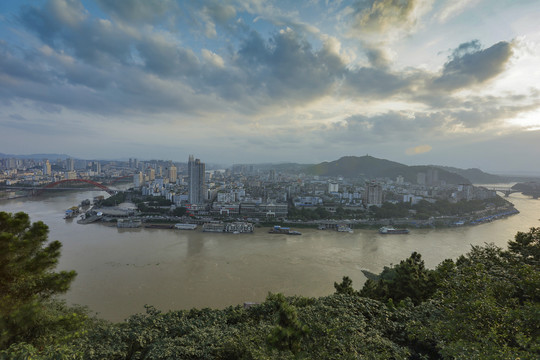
[
  {"x": 344, "y": 228},
  {"x": 185, "y": 226},
  {"x": 283, "y": 230},
  {"x": 213, "y": 227},
  {"x": 71, "y": 212},
  {"x": 387, "y": 230},
  {"x": 239, "y": 227},
  {"x": 128, "y": 223}
]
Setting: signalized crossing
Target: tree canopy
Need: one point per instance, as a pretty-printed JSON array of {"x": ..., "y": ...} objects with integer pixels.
[{"x": 27, "y": 278}]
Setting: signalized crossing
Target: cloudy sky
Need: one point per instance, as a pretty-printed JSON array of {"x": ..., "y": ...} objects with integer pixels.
[{"x": 450, "y": 82}]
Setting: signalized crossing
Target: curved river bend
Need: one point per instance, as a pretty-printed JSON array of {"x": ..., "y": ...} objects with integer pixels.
[{"x": 121, "y": 270}]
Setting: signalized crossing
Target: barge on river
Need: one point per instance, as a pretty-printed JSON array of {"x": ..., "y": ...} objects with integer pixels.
[
  {"x": 283, "y": 230},
  {"x": 388, "y": 230}
]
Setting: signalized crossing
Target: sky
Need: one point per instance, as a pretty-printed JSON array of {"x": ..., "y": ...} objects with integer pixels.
[{"x": 453, "y": 83}]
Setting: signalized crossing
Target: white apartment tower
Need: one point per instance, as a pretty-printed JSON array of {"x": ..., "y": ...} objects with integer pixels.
[{"x": 196, "y": 171}]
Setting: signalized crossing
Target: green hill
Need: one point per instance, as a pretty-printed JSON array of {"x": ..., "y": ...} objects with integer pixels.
[{"x": 370, "y": 167}]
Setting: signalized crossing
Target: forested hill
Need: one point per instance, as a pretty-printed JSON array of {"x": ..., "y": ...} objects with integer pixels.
[
  {"x": 371, "y": 167},
  {"x": 476, "y": 176}
]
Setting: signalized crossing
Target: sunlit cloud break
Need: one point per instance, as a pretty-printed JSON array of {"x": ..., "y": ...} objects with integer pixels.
[{"x": 421, "y": 149}]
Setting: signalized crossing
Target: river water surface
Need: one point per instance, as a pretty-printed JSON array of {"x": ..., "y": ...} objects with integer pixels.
[{"x": 121, "y": 270}]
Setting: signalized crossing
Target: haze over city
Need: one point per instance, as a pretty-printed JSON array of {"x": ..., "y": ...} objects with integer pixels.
[{"x": 420, "y": 82}]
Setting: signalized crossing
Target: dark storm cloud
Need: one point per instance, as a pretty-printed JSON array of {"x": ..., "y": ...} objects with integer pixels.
[
  {"x": 47, "y": 22},
  {"x": 390, "y": 126},
  {"x": 13, "y": 67},
  {"x": 54, "y": 83},
  {"x": 220, "y": 13},
  {"x": 284, "y": 68},
  {"x": 96, "y": 54},
  {"x": 138, "y": 11},
  {"x": 167, "y": 59},
  {"x": 81, "y": 74},
  {"x": 64, "y": 25},
  {"x": 469, "y": 65},
  {"x": 287, "y": 67},
  {"x": 101, "y": 66},
  {"x": 377, "y": 57}
]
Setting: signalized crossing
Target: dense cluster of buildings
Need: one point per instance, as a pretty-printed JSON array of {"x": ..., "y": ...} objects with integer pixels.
[
  {"x": 37, "y": 172},
  {"x": 246, "y": 191}
]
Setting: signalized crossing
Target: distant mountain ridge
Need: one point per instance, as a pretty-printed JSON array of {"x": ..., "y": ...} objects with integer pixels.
[
  {"x": 36, "y": 156},
  {"x": 476, "y": 176},
  {"x": 371, "y": 167},
  {"x": 357, "y": 166}
]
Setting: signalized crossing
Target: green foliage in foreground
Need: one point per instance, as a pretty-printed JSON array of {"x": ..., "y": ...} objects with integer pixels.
[
  {"x": 27, "y": 282},
  {"x": 484, "y": 305}
]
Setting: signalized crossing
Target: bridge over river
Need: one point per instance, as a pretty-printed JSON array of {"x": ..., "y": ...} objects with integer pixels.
[
  {"x": 67, "y": 184},
  {"x": 535, "y": 193},
  {"x": 505, "y": 190}
]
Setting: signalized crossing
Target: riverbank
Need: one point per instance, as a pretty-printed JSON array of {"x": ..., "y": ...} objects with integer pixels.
[{"x": 366, "y": 224}]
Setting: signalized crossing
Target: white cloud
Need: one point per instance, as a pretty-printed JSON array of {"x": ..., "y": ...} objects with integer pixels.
[
  {"x": 213, "y": 58},
  {"x": 294, "y": 81},
  {"x": 420, "y": 149},
  {"x": 455, "y": 7}
]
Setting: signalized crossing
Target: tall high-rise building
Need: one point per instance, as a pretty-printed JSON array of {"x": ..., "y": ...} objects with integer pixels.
[
  {"x": 373, "y": 194},
  {"x": 138, "y": 179},
  {"x": 47, "y": 168},
  {"x": 96, "y": 167},
  {"x": 70, "y": 164},
  {"x": 421, "y": 178},
  {"x": 196, "y": 171},
  {"x": 173, "y": 174},
  {"x": 432, "y": 176},
  {"x": 151, "y": 174}
]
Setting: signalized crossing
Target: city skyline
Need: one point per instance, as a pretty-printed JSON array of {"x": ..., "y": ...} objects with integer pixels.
[{"x": 452, "y": 83}]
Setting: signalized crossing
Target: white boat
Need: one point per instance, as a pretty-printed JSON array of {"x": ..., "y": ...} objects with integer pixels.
[
  {"x": 213, "y": 227},
  {"x": 238, "y": 227},
  {"x": 185, "y": 226},
  {"x": 387, "y": 230}
]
